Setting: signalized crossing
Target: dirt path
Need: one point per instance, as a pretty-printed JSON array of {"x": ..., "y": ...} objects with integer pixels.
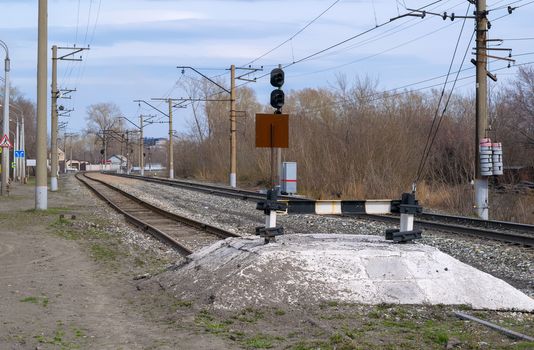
[{"x": 68, "y": 284}]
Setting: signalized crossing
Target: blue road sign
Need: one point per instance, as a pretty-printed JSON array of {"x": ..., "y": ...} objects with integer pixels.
[{"x": 19, "y": 154}]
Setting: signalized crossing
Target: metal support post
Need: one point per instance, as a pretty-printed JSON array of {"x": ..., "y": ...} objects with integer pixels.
[
  {"x": 481, "y": 182},
  {"x": 41, "y": 195},
  {"x": 170, "y": 156},
  {"x": 54, "y": 157},
  {"x": 269, "y": 208},
  {"x": 233, "y": 130},
  {"x": 408, "y": 207}
]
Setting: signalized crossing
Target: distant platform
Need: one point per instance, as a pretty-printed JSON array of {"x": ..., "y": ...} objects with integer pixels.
[{"x": 314, "y": 268}]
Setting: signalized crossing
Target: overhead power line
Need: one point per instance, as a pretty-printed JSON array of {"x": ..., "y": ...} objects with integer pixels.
[
  {"x": 294, "y": 35},
  {"x": 341, "y": 42},
  {"x": 432, "y": 133}
]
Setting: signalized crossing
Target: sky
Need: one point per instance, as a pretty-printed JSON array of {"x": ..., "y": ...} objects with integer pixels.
[{"x": 136, "y": 45}]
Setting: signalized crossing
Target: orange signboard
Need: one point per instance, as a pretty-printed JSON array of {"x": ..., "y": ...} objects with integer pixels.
[{"x": 272, "y": 130}]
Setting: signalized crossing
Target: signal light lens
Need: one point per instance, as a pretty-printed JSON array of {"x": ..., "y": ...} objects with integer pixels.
[
  {"x": 277, "y": 99},
  {"x": 277, "y": 77}
]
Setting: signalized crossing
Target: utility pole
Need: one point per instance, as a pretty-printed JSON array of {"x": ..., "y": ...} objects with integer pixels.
[
  {"x": 233, "y": 130},
  {"x": 170, "y": 155},
  {"x": 141, "y": 148},
  {"x": 17, "y": 147},
  {"x": 481, "y": 62},
  {"x": 127, "y": 152},
  {"x": 233, "y": 111},
  {"x": 481, "y": 182},
  {"x": 41, "y": 195},
  {"x": 5, "y": 124},
  {"x": 170, "y": 158},
  {"x": 54, "y": 112},
  {"x": 23, "y": 147},
  {"x": 54, "y": 128}
]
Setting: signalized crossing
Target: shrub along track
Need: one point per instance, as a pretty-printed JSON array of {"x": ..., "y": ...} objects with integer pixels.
[{"x": 183, "y": 234}]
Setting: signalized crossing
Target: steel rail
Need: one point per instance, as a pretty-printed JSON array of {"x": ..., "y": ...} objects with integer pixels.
[
  {"x": 206, "y": 188},
  {"x": 489, "y": 224},
  {"x": 507, "y": 237},
  {"x": 148, "y": 227},
  {"x": 523, "y": 235}
]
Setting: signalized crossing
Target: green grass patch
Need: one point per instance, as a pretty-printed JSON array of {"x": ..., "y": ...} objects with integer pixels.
[
  {"x": 208, "y": 322},
  {"x": 58, "y": 338},
  {"x": 279, "y": 312},
  {"x": 260, "y": 341},
  {"x": 249, "y": 315},
  {"x": 42, "y": 300},
  {"x": 49, "y": 211},
  {"x": 328, "y": 304},
  {"x": 103, "y": 253},
  {"x": 183, "y": 303}
]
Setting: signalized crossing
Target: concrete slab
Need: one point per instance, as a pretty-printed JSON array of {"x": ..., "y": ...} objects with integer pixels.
[{"x": 301, "y": 269}]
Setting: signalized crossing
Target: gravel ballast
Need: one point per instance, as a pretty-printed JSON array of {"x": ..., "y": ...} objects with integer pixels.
[{"x": 513, "y": 264}]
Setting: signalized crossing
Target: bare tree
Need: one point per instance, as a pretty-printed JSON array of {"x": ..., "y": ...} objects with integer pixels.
[{"x": 104, "y": 120}]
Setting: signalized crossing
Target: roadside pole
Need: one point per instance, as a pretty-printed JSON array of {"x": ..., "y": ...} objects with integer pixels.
[
  {"x": 41, "y": 195},
  {"x": 54, "y": 126},
  {"x": 171, "y": 155}
]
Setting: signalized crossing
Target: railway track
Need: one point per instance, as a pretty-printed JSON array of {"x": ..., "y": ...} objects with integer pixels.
[
  {"x": 509, "y": 232},
  {"x": 520, "y": 236},
  {"x": 225, "y": 191},
  {"x": 183, "y": 234}
]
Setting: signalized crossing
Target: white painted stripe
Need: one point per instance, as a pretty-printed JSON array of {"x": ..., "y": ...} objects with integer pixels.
[
  {"x": 41, "y": 197},
  {"x": 328, "y": 207},
  {"x": 378, "y": 206}
]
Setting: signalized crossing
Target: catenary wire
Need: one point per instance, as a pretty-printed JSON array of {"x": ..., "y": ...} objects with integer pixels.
[
  {"x": 294, "y": 35},
  {"x": 428, "y": 144}
]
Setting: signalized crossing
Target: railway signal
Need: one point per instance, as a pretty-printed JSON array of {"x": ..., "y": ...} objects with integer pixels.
[{"x": 277, "y": 95}]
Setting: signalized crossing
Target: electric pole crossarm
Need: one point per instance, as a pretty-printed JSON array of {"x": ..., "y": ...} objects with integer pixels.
[
  {"x": 129, "y": 121},
  {"x": 205, "y": 77},
  {"x": 75, "y": 51},
  {"x": 495, "y": 57},
  {"x": 199, "y": 100},
  {"x": 64, "y": 93},
  {"x": 250, "y": 71},
  {"x": 443, "y": 15},
  {"x": 154, "y": 107}
]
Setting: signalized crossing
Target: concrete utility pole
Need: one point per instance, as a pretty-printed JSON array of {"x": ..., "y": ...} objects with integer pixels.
[
  {"x": 5, "y": 124},
  {"x": 141, "y": 148},
  {"x": 233, "y": 111},
  {"x": 17, "y": 147},
  {"x": 53, "y": 126},
  {"x": 170, "y": 155},
  {"x": 23, "y": 147},
  {"x": 233, "y": 130},
  {"x": 41, "y": 194},
  {"x": 481, "y": 182},
  {"x": 54, "y": 111},
  {"x": 170, "y": 158}
]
